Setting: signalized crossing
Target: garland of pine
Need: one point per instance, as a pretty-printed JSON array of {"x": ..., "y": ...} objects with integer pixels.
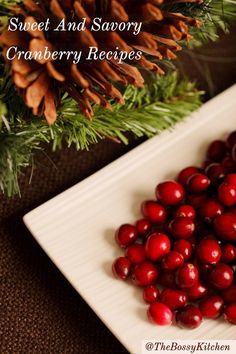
[{"x": 161, "y": 103}]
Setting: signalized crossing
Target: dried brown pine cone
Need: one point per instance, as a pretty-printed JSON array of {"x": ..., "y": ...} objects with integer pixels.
[{"x": 41, "y": 80}]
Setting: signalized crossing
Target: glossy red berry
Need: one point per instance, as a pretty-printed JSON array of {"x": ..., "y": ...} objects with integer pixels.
[
  {"x": 157, "y": 245},
  {"x": 211, "y": 306},
  {"x": 173, "y": 298},
  {"x": 225, "y": 226},
  {"x": 215, "y": 172},
  {"x": 143, "y": 227},
  {"x": 186, "y": 276},
  {"x": 184, "y": 247},
  {"x": 189, "y": 317},
  {"x": 145, "y": 274},
  {"x": 170, "y": 193},
  {"x": 154, "y": 212},
  {"x": 185, "y": 211},
  {"x": 186, "y": 173},
  {"x": 197, "y": 291},
  {"x": 208, "y": 251},
  {"x": 121, "y": 268},
  {"x": 221, "y": 276},
  {"x": 172, "y": 260},
  {"x": 150, "y": 294},
  {"x": 126, "y": 235},
  {"x": 160, "y": 314},
  {"x": 227, "y": 194},
  {"x": 230, "y": 313},
  {"x": 231, "y": 178},
  {"x": 229, "y": 294},
  {"x": 135, "y": 253},
  {"x": 210, "y": 209},
  {"x": 216, "y": 150},
  {"x": 228, "y": 253},
  {"x": 231, "y": 140},
  {"x": 198, "y": 183},
  {"x": 182, "y": 227}
]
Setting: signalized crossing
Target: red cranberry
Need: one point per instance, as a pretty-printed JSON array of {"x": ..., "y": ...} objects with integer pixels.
[
  {"x": 227, "y": 194},
  {"x": 182, "y": 227},
  {"x": 225, "y": 226},
  {"x": 170, "y": 193},
  {"x": 198, "y": 183},
  {"x": 229, "y": 294},
  {"x": 167, "y": 279},
  {"x": 121, "y": 267},
  {"x": 187, "y": 172},
  {"x": 230, "y": 313},
  {"x": 143, "y": 227},
  {"x": 216, "y": 150},
  {"x": 210, "y": 209},
  {"x": 145, "y": 274},
  {"x": 231, "y": 178},
  {"x": 189, "y": 317},
  {"x": 135, "y": 253},
  {"x": 173, "y": 298},
  {"x": 186, "y": 275},
  {"x": 197, "y": 291},
  {"x": 185, "y": 211},
  {"x": 126, "y": 235},
  {"x": 172, "y": 260},
  {"x": 208, "y": 251},
  {"x": 197, "y": 200},
  {"x": 229, "y": 164},
  {"x": 150, "y": 294},
  {"x": 211, "y": 306},
  {"x": 184, "y": 247},
  {"x": 228, "y": 253},
  {"x": 215, "y": 172},
  {"x": 231, "y": 140},
  {"x": 157, "y": 245},
  {"x": 221, "y": 276},
  {"x": 160, "y": 314},
  {"x": 154, "y": 212}
]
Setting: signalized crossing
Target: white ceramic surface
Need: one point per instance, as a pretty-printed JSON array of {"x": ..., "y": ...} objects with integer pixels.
[{"x": 76, "y": 228}]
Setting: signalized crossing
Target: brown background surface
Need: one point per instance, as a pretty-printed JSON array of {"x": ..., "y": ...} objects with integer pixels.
[{"x": 40, "y": 312}]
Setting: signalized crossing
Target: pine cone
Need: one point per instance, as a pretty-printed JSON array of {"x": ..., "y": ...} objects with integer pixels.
[{"x": 41, "y": 81}]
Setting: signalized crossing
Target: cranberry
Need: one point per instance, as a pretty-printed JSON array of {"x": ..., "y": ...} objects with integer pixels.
[
  {"x": 215, "y": 172},
  {"x": 230, "y": 313},
  {"x": 173, "y": 298},
  {"x": 210, "y": 209},
  {"x": 225, "y": 226},
  {"x": 145, "y": 274},
  {"x": 172, "y": 260},
  {"x": 150, "y": 294},
  {"x": 186, "y": 275},
  {"x": 121, "y": 267},
  {"x": 189, "y": 317},
  {"x": 182, "y": 227},
  {"x": 229, "y": 164},
  {"x": 126, "y": 235},
  {"x": 229, "y": 294},
  {"x": 197, "y": 200},
  {"x": 143, "y": 227},
  {"x": 135, "y": 253},
  {"x": 216, "y": 150},
  {"x": 231, "y": 140},
  {"x": 170, "y": 193},
  {"x": 221, "y": 276},
  {"x": 160, "y": 314},
  {"x": 197, "y": 291},
  {"x": 185, "y": 211},
  {"x": 228, "y": 253},
  {"x": 184, "y": 247},
  {"x": 211, "y": 306},
  {"x": 227, "y": 194},
  {"x": 187, "y": 172},
  {"x": 154, "y": 212},
  {"x": 208, "y": 251},
  {"x": 167, "y": 279},
  {"x": 231, "y": 178},
  {"x": 198, "y": 183},
  {"x": 157, "y": 245}
]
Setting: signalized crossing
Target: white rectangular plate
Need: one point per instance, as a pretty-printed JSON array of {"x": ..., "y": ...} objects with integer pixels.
[{"x": 76, "y": 228}]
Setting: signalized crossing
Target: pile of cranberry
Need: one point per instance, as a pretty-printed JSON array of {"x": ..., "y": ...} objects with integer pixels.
[{"x": 183, "y": 251}]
